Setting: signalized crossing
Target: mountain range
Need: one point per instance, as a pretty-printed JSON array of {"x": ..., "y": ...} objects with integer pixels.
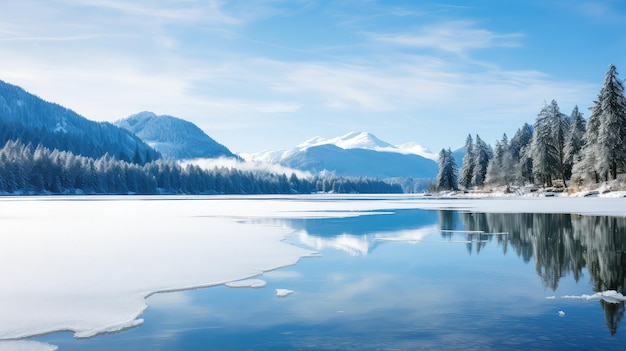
[{"x": 145, "y": 136}]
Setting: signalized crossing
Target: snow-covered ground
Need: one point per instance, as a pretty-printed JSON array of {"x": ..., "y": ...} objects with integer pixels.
[{"x": 87, "y": 264}]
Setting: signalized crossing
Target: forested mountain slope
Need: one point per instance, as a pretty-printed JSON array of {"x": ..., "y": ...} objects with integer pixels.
[
  {"x": 173, "y": 137},
  {"x": 30, "y": 119}
]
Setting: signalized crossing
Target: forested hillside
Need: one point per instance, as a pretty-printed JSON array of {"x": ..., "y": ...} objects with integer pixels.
[
  {"x": 558, "y": 150},
  {"x": 30, "y": 119},
  {"x": 25, "y": 169}
]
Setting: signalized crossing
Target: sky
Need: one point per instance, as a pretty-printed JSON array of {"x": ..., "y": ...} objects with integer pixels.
[{"x": 270, "y": 74}]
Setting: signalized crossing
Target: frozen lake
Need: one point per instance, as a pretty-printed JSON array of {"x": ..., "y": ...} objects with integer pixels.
[{"x": 311, "y": 272}]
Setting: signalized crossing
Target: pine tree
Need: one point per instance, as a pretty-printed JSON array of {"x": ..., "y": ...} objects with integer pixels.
[
  {"x": 520, "y": 154},
  {"x": 560, "y": 132},
  {"x": 575, "y": 140},
  {"x": 482, "y": 155},
  {"x": 500, "y": 170},
  {"x": 447, "y": 177},
  {"x": 586, "y": 169},
  {"x": 467, "y": 168},
  {"x": 548, "y": 143},
  {"x": 610, "y": 110}
]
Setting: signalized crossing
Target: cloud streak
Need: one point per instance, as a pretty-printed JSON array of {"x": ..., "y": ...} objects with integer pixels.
[{"x": 455, "y": 36}]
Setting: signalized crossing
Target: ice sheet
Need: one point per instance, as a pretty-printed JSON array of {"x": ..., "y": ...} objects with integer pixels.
[{"x": 87, "y": 266}]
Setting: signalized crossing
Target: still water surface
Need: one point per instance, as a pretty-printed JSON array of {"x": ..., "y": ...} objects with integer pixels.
[{"x": 407, "y": 280}]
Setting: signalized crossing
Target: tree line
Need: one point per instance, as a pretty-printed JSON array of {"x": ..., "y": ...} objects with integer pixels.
[
  {"x": 26, "y": 169},
  {"x": 557, "y": 147}
]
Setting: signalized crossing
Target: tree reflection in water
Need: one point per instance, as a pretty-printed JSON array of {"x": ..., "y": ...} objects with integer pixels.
[{"x": 561, "y": 244}]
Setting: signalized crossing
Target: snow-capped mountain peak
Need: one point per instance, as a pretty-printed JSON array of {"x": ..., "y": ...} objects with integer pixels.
[{"x": 352, "y": 140}]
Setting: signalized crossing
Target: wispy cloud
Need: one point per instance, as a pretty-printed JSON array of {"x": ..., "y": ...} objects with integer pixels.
[
  {"x": 604, "y": 10},
  {"x": 455, "y": 36},
  {"x": 17, "y": 38},
  {"x": 167, "y": 11}
]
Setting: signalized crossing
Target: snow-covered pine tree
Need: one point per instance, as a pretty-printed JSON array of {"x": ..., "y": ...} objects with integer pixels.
[
  {"x": 467, "y": 167},
  {"x": 482, "y": 155},
  {"x": 612, "y": 136},
  {"x": 500, "y": 170},
  {"x": 574, "y": 142},
  {"x": 447, "y": 177},
  {"x": 520, "y": 154},
  {"x": 494, "y": 169},
  {"x": 560, "y": 131},
  {"x": 604, "y": 152},
  {"x": 546, "y": 147},
  {"x": 586, "y": 169}
]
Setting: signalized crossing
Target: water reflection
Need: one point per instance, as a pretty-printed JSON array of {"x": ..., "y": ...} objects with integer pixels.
[
  {"x": 560, "y": 244},
  {"x": 564, "y": 244},
  {"x": 363, "y": 234}
]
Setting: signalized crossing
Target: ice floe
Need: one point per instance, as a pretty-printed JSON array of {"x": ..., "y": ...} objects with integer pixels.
[{"x": 611, "y": 296}]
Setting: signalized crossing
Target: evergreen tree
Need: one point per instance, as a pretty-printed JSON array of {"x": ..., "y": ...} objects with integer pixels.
[
  {"x": 447, "y": 177},
  {"x": 520, "y": 154},
  {"x": 575, "y": 139},
  {"x": 548, "y": 143},
  {"x": 587, "y": 167},
  {"x": 467, "y": 168},
  {"x": 560, "y": 132},
  {"x": 500, "y": 170},
  {"x": 604, "y": 152},
  {"x": 482, "y": 155}
]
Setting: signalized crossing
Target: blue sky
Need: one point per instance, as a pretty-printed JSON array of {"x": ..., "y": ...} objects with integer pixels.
[{"x": 269, "y": 74}]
